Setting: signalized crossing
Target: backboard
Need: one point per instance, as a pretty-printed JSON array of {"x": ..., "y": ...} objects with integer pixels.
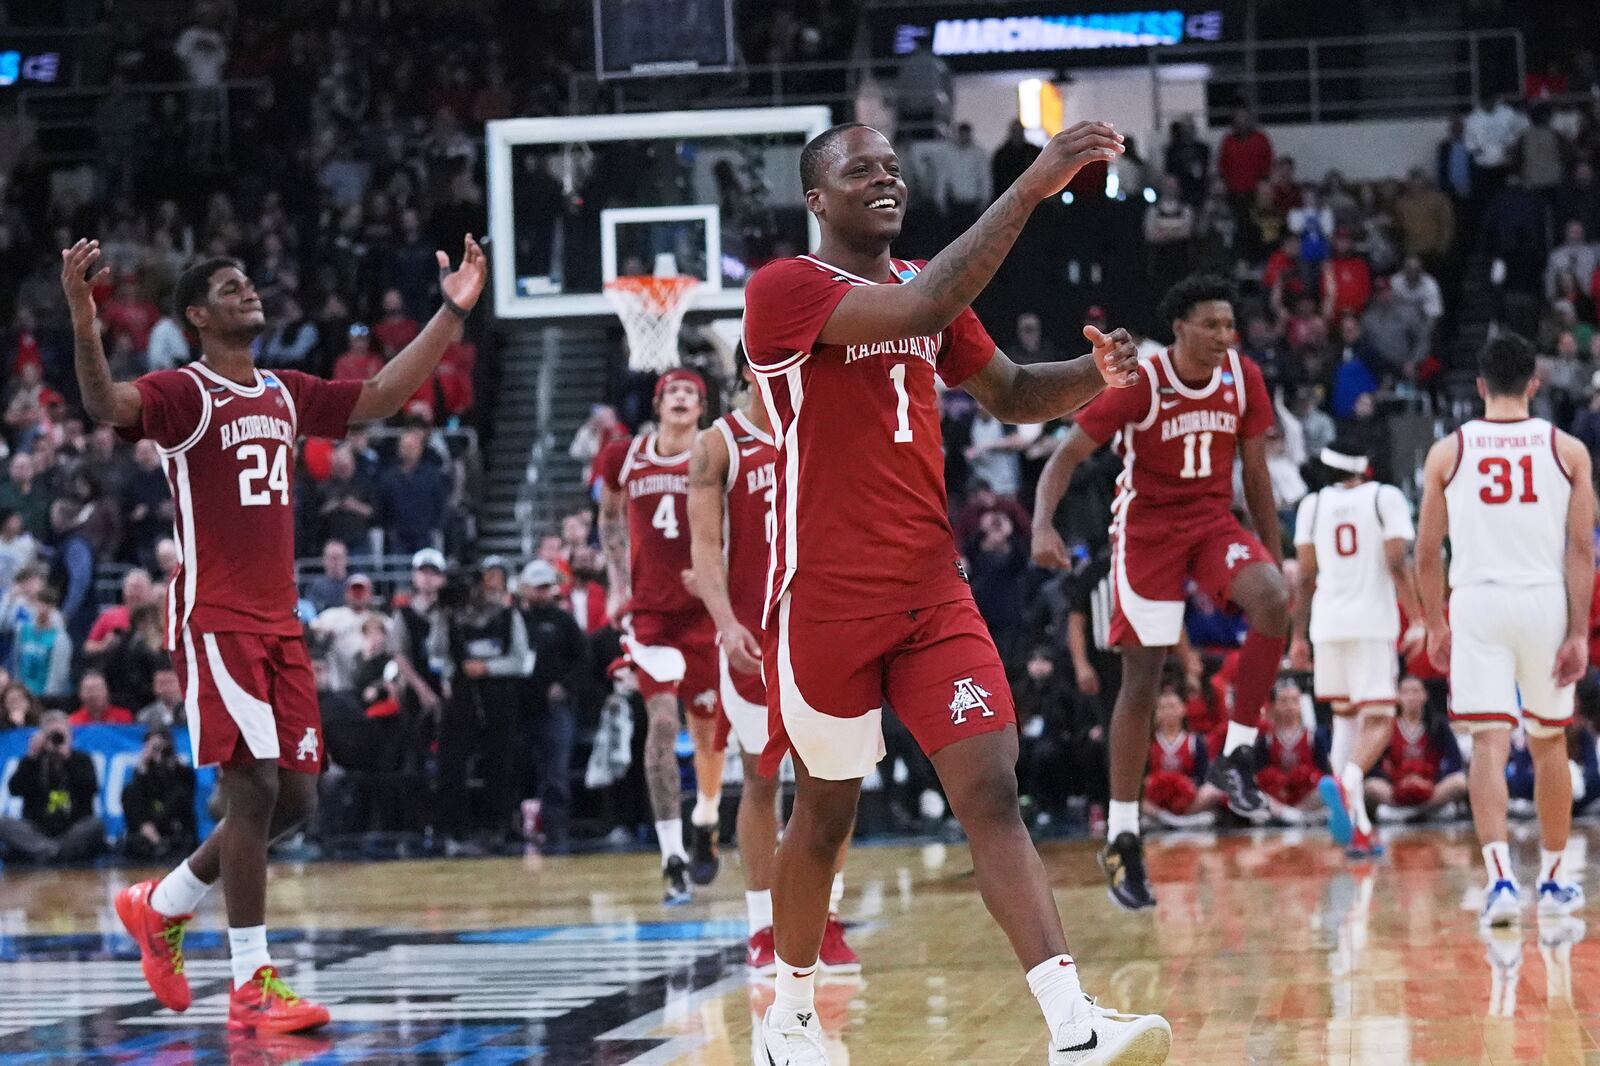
[{"x": 574, "y": 202}]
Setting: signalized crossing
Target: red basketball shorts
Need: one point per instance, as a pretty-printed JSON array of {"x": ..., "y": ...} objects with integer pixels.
[
  {"x": 827, "y": 682},
  {"x": 676, "y": 653},
  {"x": 1151, "y": 566},
  {"x": 250, "y": 696}
]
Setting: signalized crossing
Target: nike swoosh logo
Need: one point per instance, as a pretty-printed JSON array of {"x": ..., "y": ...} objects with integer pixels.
[
  {"x": 749, "y": 451},
  {"x": 1167, "y": 405},
  {"x": 1088, "y": 1045},
  {"x": 797, "y": 973},
  {"x": 222, "y": 403}
]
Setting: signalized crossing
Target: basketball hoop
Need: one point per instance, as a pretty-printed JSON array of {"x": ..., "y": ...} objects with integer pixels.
[{"x": 651, "y": 308}]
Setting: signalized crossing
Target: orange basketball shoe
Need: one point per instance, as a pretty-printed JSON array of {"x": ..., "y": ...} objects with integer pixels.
[
  {"x": 160, "y": 941},
  {"x": 267, "y": 1005}
]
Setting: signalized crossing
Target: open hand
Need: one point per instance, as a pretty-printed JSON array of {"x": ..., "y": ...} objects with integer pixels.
[
  {"x": 1115, "y": 355},
  {"x": 464, "y": 285},
  {"x": 1069, "y": 152},
  {"x": 744, "y": 651},
  {"x": 78, "y": 283}
]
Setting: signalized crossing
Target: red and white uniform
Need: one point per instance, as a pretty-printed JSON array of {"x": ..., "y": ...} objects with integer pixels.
[
  {"x": 1412, "y": 753},
  {"x": 868, "y": 601},
  {"x": 1177, "y": 766},
  {"x": 668, "y": 635},
  {"x": 236, "y": 643},
  {"x": 1173, "y": 518},
  {"x": 1507, "y": 505},
  {"x": 1287, "y": 764},
  {"x": 747, "y": 540}
]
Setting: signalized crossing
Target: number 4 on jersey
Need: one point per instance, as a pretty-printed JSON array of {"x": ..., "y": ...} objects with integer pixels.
[{"x": 666, "y": 517}]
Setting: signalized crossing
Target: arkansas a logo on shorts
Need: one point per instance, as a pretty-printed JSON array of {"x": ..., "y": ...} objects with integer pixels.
[
  {"x": 707, "y": 700},
  {"x": 969, "y": 696},
  {"x": 308, "y": 746},
  {"x": 1237, "y": 553}
]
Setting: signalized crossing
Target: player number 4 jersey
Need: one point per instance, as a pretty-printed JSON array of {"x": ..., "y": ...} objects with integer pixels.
[
  {"x": 1507, "y": 503},
  {"x": 656, "y": 488},
  {"x": 1348, "y": 526},
  {"x": 229, "y": 455},
  {"x": 748, "y": 519},
  {"x": 862, "y": 526},
  {"x": 1178, "y": 441}
]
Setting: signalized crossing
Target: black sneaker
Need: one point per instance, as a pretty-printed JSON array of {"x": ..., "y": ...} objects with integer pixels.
[
  {"x": 1235, "y": 774},
  {"x": 1123, "y": 861},
  {"x": 703, "y": 860},
  {"x": 676, "y": 874}
]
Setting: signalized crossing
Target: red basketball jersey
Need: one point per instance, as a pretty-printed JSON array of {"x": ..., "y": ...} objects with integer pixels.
[
  {"x": 862, "y": 523},
  {"x": 1411, "y": 754},
  {"x": 229, "y": 452},
  {"x": 1290, "y": 753},
  {"x": 656, "y": 487},
  {"x": 748, "y": 519},
  {"x": 1178, "y": 441},
  {"x": 1178, "y": 756}
]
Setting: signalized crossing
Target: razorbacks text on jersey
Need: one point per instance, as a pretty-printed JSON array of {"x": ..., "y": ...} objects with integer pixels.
[
  {"x": 1507, "y": 504},
  {"x": 1348, "y": 526},
  {"x": 748, "y": 517},
  {"x": 228, "y": 451},
  {"x": 862, "y": 518},
  {"x": 656, "y": 491},
  {"x": 1178, "y": 440}
]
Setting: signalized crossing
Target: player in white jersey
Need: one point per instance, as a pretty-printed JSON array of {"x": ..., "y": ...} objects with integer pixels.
[
  {"x": 1353, "y": 541},
  {"x": 1514, "y": 496}
]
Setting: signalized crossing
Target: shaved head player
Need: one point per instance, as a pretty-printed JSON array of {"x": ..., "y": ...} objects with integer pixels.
[{"x": 868, "y": 601}]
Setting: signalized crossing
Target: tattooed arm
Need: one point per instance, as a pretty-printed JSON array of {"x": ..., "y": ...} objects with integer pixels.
[
  {"x": 104, "y": 400},
  {"x": 1044, "y": 391},
  {"x": 955, "y": 277},
  {"x": 614, "y": 540}
]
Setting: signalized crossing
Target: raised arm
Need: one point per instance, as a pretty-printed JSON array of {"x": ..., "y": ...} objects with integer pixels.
[
  {"x": 1048, "y": 548},
  {"x": 614, "y": 540},
  {"x": 708, "y": 475},
  {"x": 1044, "y": 391},
  {"x": 383, "y": 394},
  {"x": 1573, "y": 659},
  {"x": 1258, "y": 497},
  {"x": 104, "y": 400},
  {"x": 955, "y": 277},
  {"x": 1433, "y": 521}
]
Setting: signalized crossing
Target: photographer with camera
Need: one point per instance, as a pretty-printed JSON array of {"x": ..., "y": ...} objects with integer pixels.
[
  {"x": 490, "y": 661},
  {"x": 158, "y": 802},
  {"x": 57, "y": 786}
]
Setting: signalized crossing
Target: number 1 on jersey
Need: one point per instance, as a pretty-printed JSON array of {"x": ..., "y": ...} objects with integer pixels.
[
  {"x": 666, "y": 517},
  {"x": 1189, "y": 468},
  {"x": 902, "y": 410}
]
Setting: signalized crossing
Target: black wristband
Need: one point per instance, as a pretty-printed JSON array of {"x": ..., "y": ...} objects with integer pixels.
[{"x": 455, "y": 308}]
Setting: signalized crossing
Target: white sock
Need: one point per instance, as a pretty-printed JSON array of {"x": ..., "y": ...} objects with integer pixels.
[
  {"x": 758, "y": 905},
  {"x": 669, "y": 834},
  {"x": 1552, "y": 866},
  {"x": 1054, "y": 983},
  {"x": 707, "y": 811},
  {"x": 248, "y": 949},
  {"x": 1122, "y": 816},
  {"x": 1344, "y": 740},
  {"x": 836, "y": 893},
  {"x": 797, "y": 994},
  {"x": 179, "y": 893},
  {"x": 1497, "y": 862},
  {"x": 1239, "y": 736},
  {"x": 1355, "y": 793}
]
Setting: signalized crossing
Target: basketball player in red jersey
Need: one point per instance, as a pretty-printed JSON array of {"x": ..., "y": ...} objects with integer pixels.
[
  {"x": 868, "y": 602},
  {"x": 1201, "y": 405},
  {"x": 668, "y": 638},
  {"x": 732, "y": 481},
  {"x": 227, "y": 434}
]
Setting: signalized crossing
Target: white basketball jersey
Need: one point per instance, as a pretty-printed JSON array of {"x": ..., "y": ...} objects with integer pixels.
[
  {"x": 1507, "y": 501},
  {"x": 1355, "y": 597}
]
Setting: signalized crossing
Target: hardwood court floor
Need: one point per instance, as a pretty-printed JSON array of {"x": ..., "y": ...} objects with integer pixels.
[{"x": 1266, "y": 948}]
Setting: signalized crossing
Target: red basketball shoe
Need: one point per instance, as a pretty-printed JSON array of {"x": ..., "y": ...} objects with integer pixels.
[
  {"x": 160, "y": 941},
  {"x": 762, "y": 953},
  {"x": 837, "y": 956},
  {"x": 266, "y": 1005}
]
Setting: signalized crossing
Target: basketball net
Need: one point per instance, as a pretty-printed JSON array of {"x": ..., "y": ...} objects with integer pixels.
[{"x": 652, "y": 307}]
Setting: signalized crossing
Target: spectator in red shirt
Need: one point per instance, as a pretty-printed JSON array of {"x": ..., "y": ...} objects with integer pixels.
[
  {"x": 359, "y": 362},
  {"x": 1244, "y": 158},
  {"x": 1352, "y": 277},
  {"x": 95, "y": 706},
  {"x": 130, "y": 315},
  {"x": 395, "y": 329},
  {"x": 1285, "y": 187},
  {"x": 137, "y": 590}
]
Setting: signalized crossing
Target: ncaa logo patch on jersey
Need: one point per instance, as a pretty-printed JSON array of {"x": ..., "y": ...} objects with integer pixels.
[{"x": 1227, "y": 377}]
